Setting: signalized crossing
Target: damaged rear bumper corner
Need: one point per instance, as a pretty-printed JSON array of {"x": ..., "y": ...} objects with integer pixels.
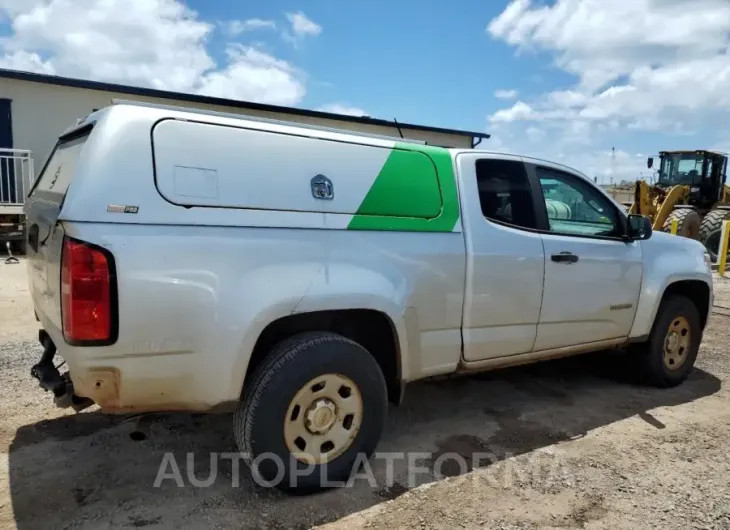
[{"x": 97, "y": 386}]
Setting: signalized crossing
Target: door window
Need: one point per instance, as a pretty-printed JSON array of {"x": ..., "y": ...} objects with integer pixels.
[
  {"x": 504, "y": 192},
  {"x": 574, "y": 207}
]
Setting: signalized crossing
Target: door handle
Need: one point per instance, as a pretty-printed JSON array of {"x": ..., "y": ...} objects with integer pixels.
[{"x": 564, "y": 257}]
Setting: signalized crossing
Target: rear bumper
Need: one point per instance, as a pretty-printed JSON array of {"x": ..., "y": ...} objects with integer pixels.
[
  {"x": 50, "y": 379},
  {"x": 77, "y": 388},
  {"x": 124, "y": 384}
]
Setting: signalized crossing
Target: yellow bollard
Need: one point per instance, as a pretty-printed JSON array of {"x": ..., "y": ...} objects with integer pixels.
[
  {"x": 723, "y": 247},
  {"x": 675, "y": 226}
]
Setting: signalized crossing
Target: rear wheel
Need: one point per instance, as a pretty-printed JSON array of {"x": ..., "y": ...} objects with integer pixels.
[
  {"x": 711, "y": 228},
  {"x": 668, "y": 357},
  {"x": 688, "y": 222},
  {"x": 314, "y": 409}
]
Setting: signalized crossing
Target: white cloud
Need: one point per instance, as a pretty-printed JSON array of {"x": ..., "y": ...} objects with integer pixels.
[
  {"x": 657, "y": 65},
  {"x": 723, "y": 143},
  {"x": 253, "y": 75},
  {"x": 632, "y": 58},
  {"x": 303, "y": 26},
  {"x": 600, "y": 41},
  {"x": 518, "y": 111},
  {"x": 16, "y": 6},
  {"x": 611, "y": 167},
  {"x": 505, "y": 93},
  {"x": 593, "y": 161},
  {"x": 341, "y": 108},
  {"x": 237, "y": 27},
  {"x": 26, "y": 61},
  {"x": 567, "y": 98},
  {"x": 535, "y": 134},
  {"x": 154, "y": 43}
]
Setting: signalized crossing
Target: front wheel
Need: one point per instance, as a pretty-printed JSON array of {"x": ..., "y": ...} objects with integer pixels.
[
  {"x": 668, "y": 357},
  {"x": 315, "y": 408}
]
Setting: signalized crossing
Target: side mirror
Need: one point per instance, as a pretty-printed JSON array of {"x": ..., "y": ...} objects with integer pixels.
[
  {"x": 639, "y": 227},
  {"x": 650, "y": 162}
]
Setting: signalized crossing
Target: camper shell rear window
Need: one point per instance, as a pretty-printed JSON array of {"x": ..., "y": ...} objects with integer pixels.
[{"x": 55, "y": 177}]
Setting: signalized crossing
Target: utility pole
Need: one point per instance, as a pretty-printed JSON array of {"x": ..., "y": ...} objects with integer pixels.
[{"x": 613, "y": 163}]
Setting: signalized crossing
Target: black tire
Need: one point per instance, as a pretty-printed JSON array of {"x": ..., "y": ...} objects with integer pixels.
[
  {"x": 260, "y": 419},
  {"x": 688, "y": 222},
  {"x": 711, "y": 228},
  {"x": 651, "y": 355}
]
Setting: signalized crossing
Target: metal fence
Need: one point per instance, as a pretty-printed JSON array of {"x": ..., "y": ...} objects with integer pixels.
[{"x": 16, "y": 176}]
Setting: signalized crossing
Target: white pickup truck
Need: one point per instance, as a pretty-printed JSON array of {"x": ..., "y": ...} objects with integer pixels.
[{"x": 183, "y": 260}]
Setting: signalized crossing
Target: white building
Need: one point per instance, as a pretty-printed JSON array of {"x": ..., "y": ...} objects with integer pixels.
[{"x": 35, "y": 109}]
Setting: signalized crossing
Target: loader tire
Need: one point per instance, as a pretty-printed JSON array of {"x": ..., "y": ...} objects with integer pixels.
[
  {"x": 688, "y": 223},
  {"x": 711, "y": 228}
]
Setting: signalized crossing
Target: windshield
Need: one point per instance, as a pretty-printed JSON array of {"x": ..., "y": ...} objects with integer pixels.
[{"x": 680, "y": 168}]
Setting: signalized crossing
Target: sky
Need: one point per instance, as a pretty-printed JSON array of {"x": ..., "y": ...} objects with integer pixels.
[{"x": 566, "y": 80}]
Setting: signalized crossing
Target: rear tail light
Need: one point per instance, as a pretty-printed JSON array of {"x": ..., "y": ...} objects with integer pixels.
[{"x": 88, "y": 294}]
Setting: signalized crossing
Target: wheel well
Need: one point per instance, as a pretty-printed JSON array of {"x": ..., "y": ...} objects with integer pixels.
[
  {"x": 372, "y": 329},
  {"x": 697, "y": 291}
]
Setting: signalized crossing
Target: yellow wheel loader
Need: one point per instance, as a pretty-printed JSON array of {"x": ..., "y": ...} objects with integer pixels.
[{"x": 691, "y": 189}]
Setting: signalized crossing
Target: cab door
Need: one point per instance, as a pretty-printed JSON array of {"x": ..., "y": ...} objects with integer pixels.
[
  {"x": 592, "y": 276},
  {"x": 505, "y": 258}
]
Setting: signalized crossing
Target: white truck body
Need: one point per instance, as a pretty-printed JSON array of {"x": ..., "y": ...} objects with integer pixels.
[{"x": 227, "y": 234}]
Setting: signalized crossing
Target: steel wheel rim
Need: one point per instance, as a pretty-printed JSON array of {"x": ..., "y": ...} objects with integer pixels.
[
  {"x": 677, "y": 343},
  {"x": 323, "y": 419}
]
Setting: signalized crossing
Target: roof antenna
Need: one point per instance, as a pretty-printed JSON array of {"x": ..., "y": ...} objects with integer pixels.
[{"x": 398, "y": 126}]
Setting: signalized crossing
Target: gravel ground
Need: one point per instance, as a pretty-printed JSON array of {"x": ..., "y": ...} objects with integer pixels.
[{"x": 564, "y": 444}]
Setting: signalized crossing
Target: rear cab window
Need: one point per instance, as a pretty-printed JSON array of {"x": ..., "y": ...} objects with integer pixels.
[{"x": 504, "y": 192}]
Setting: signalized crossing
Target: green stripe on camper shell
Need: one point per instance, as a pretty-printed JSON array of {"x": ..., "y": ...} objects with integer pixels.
[{"x": 402, "y": 171}]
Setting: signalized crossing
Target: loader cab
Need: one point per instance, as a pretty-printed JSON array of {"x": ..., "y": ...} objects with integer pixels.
[{"x": 704, "y": 172}]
